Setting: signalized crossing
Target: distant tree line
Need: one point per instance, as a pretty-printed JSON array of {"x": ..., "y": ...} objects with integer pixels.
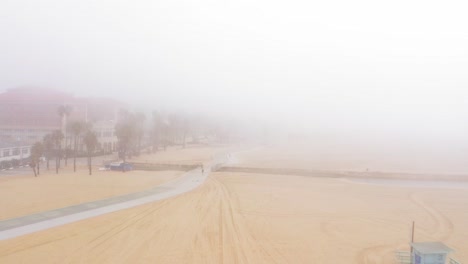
[
  {"x": 134, "y": 132},
  {"x": 53, "y": 147}
]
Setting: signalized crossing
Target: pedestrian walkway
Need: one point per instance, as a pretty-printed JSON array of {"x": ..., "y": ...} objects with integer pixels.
[{"x": 15, "y": 227}]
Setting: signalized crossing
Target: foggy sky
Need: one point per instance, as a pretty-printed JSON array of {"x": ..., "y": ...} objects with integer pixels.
[{"x": 397, "y": 67}]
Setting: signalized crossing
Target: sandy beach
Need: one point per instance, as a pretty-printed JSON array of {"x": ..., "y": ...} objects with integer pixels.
[
  {"x": 191, "y": 155},
  {"x": 261, "y": 218},
  {"x": 26, "y": 194}
]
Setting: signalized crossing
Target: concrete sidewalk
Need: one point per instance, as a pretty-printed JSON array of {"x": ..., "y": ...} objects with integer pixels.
[{"x": 15, "y": 227}]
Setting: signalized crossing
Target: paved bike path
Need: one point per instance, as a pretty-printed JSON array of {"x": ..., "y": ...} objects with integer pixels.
[{"x": 15, "y": 227}]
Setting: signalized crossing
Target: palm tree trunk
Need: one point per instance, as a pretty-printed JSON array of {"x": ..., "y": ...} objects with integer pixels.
[
  {"x": 89, "y": 164},
  {"x": 38, "y": 168},
  {"x": 34, "y": 169},
  {"x": 139, "y": 146},
  {"x": 124, "y": 159},
  {"x": 74, "y": 156},
  {"x": 65, "y": 156},
  {"x": 59, "y": 156},
  {"x": 154, "y": 148}
]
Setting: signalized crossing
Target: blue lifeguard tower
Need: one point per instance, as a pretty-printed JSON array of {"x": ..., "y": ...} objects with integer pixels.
[
  {"x": 426, "y": 253},
  {"x": 429, "y": 253}
]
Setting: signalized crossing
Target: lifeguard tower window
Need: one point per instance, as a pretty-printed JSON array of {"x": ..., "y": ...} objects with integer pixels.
[{"x": 430, "y": 253}]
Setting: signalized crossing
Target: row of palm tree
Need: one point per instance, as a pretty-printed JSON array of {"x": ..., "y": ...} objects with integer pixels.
[
  {"x": 170, "y": 128},
  {"x": 51, "y": 147},
  {"x": 176, "y": 128},
  {"x": 129, "y": 131},
  {"x": 166, "y": 128}
]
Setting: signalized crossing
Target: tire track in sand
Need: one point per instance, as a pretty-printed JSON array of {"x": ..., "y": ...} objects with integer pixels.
[
  {"x": 115, "y": 230},
  {"x": 443, "y": 229},
  {"x": 237, "y": 244}
]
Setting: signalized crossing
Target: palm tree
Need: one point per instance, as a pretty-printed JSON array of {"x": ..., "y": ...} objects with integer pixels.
[
  {"x": 185, "y": 130},
  {"x": 48, "y": 144},
  {"x": 157, "y": 130},
  {"x": 76, "y": 128},
  {"x": 140, "y": 128},
  {"x": 165, "y": 132},
  {"x": 64, "y": 112},
  {"x": 174, "y": 127},
  {"x": 57, "y": 137},
  {"x": 36, "y": 152},
  {"x": 33, "y": 164},
  {"x": 125, "y": 133},
  {"x": 90, "y": 140}
]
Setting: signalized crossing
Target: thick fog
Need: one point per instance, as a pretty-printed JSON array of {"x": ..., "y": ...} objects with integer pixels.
[{"x": 375, "y": 74}]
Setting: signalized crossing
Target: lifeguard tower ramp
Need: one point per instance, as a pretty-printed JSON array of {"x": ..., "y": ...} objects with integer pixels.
[
  {"x": 403, "y": 257},
  {"x": 426, "y": 253}
]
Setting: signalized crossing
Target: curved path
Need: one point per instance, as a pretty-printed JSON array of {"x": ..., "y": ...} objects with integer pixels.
[{"x": 15, "y": 227}]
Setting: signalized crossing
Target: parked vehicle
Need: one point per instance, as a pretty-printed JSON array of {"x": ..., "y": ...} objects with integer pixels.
[{"x": 120, "y": 166}]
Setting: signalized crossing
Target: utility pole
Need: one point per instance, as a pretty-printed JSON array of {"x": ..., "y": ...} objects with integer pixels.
[{"x": 412, "y": 241}]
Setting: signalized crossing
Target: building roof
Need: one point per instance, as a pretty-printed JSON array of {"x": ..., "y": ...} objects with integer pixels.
[
  {"x": 11, "y": 144},
  {"x": 36, "y": 108},
  {"x": 431, "y": 248},
  {"x": 32, "y": 108}
]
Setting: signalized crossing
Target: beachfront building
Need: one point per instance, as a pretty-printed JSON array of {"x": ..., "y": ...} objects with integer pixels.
[
  {"x": 28, "y": 114},
  {"x": 13, "y": 152},
  {"x": 105, "y": 133}
]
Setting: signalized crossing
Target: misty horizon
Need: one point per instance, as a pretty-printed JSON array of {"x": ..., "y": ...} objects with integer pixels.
[
  {"x": 248, "y": 131},
  {"x": 362, "y": 73}
]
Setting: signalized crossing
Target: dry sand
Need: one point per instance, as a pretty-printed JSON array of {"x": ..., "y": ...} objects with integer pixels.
[
  {"x": 260, "y": 218},
  {"x": 254, "y": 218},
  {"x": 26, "y": 194},
  {"x": 357, "y": 162},
  {"x": 191, "y": 155}
]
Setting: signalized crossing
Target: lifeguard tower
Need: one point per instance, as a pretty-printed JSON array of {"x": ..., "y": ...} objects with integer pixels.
[
  {"x": 426, "y": 253},
  {"x": 430, "y": 253}
]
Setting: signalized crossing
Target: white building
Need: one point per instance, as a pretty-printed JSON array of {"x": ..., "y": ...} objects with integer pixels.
[
  {"x": 105, "y": 133},
  {"x": 14, "y": 151}
]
